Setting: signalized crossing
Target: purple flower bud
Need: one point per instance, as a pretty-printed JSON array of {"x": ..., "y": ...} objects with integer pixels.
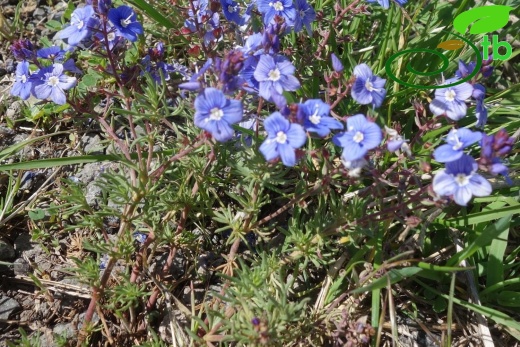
[
  {"x": 394, "y": 145},
  {"x": 192, "y": 86},
  {"x": 22, "y": 50},
  {"x": 479, "y": 92},
  {"x": 486, "y": 71},
  {"x": 336, "y": 63},
  {"x": 488, "y": 61},
  {"x": 103, "y": 6}
]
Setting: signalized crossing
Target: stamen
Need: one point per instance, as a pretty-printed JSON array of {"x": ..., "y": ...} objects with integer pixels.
[
  {"x": 281, "y": 137},
  {"x": 358, "y": 137}
]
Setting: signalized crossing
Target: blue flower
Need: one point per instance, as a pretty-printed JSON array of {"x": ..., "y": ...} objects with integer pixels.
[
  {"x": 361, "y": 136},
  {"x": 275, "y": 75},
  {"x": 282, "y": 8},
  {"x": 249, "y": 124},
  {"x": 336, "y": 63},
  {"x": 81, "y": 23},
  {"x": 50, "y": 82},
  {"x": 315, "y": 116},
  {"x": 396, "y": 142},
  {"x": 451, "y": 100},
  {"x": 201, "y": 10},
  {"x": 23, "y": 85},
  {"x": 305, "y": 15},
  {"x": 461, "y": 181},
  {"x": 368, "y": 88},
  {"x": 479, "y": 93},
  {"x": 253, "y": 44},
  {"x": 282, "y": 140},
  {"x": 125, "y": 21},
  {"x": 53, "y": 53},
  {"x": 465, "y": 69},
  {"x": 386, "y": 3},
  {"x": 139, "y": 237},
  {"x": 114, "y": 38},
  {"x": 457, "y": 140},
  {"x": 215, "y": 113},
  {"x": 231, "y": 11}
]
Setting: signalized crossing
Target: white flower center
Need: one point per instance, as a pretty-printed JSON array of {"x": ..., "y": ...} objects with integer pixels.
[
  {"x": 274, "y": 75},
  {"x": 281, "y": 137},
  {"x": 126, "y": 22},
  {"x": 457, "y": 144},
  {"x": 111, "y": 36},
  {"x": 450, "y": 95},
  {"x": 462, "y": 179},
  {"x": 315, "y": 119},
  {"x": 80, "y": 24},
  {"x": 23, "y": 78},
  {"x": 278, "y": 6},
  {"x": 370, "y": 87},
  {"x": 231, "y": 9},
  {"x": 302, "y": 14},
  {"x": 216, "y": 114},
  {"x": 358, "y": 137},
  {"x": 53, "y": 81}
]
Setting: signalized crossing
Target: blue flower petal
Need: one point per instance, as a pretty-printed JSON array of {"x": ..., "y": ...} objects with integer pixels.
[
  {"x": 287, "y": 154},
  {"x": 446, "y": 153}
]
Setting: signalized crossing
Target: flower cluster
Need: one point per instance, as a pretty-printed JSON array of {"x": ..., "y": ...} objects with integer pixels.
[
  {"x": 296, "y": 15},
  {"x": 154, "y": 64},
  {"x": 204, "y": 18},
  {"x": 451, "y": 101},
  {"x": 88, "y": 21},
  {"x": 42, "y": 73},
  {"x": 460, "y": 179},
  {"x": 49, "y": 81}
]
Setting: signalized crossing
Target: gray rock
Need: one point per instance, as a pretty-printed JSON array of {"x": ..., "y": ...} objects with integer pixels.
[
  {"x": 21, "y": 267},
  {"x": 6, "y": 251},
  {"x": 81, "y": 320},
  {"x": 89, "y": 172},
  {"x": 39, "y": 12},
  {"x": 92, "y": 194},
  {"x": 64, "y": 330},
  {"x": 7, "y": 307},
  {"x": 92, "y": 143},
  {"x": 14, "y": 112}
]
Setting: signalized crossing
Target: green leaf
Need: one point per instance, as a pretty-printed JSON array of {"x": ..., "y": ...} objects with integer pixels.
[
  {"x": 509, "y": 298},
  {"x": 53, "y": 25},
  {"x": 395, "y": 276},
  {"x": 440, "y": 304},
  {"x": 153, "y": 13},
  {"x": 495, "y": 265},
  {"x": 483, "y": 240},
  {"x": 37, "y": 214},
  {"x": 481, "y": 217}
]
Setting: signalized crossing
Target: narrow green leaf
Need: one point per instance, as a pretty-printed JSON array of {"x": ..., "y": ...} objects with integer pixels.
[
  {"x": 509, "y": 298},
  {"x": 481, "y": 217},
  {"x": 152, "y": 13},
  {"x": 395, "y": 275},
  {"x": 483, "y": 240},
  {"x": 495, "y": 265},
  {"x": 497, "y": 316}
]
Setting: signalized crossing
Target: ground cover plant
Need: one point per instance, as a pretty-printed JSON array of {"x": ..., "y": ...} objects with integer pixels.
[{"x": 261, "y": 176}]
